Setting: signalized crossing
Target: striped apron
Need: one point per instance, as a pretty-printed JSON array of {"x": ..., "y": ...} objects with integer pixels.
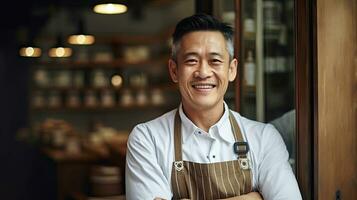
[{"x": 200, "y": 181}]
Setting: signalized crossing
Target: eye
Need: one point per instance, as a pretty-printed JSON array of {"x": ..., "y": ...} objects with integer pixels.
[
  {"x": 191, "y": 61},
  {"x": 216, "y": 61}
]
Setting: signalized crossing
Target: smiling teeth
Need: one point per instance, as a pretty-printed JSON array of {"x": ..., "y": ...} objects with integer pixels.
[{"x": 203, "y": 86}]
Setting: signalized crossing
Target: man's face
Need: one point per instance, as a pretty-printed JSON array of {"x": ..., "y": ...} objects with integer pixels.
[{"x": 203, "y": 69}]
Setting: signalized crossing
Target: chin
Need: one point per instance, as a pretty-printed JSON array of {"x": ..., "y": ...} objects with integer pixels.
[{"x": 205, "y": 104}]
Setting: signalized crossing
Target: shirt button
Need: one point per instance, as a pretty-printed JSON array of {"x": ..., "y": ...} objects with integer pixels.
[
  {"x": 214, "y": 156},
  {"x": 199, "y": 132}
]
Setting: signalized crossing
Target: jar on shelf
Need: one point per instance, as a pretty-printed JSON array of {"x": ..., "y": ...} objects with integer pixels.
[
  {"x": 54, "y": 99},
  {"x": 272, "y": 13},
  {"x": 99, "y": 79},
  {"x": 138, "y": 80},
  {"x": 78, "y": 79},
  {"x": 38, "y": 99},
  {"x": 157, "y": 97},
  {"x": 73, "y": 99},
  {"x": 136, "y": 54},
  {"x": 228, "y": 17},
  {"x": 63, "y": 78},
  {"x": 90, "y": 99},
  {"x": 249, "y": 28},
  {"x": 41, "y": 78},
  {"x": 141, "y": 98},
  {"x": 58, "y": 138},
  {"x": 103, "y": 56},
  {"x": 126, "y": 98},
  {"x": 107, "y": 98},
  {"x": 73, "y": 145}
]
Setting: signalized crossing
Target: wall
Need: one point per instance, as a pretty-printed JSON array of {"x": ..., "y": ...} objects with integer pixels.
[{"x": 335, "y": 136}]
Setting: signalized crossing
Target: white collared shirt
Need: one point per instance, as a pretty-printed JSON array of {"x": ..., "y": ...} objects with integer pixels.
[{"x": 150, "y": 155}]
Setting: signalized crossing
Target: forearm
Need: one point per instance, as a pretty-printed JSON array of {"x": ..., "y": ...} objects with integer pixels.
[{"x": 249, "y": 196}]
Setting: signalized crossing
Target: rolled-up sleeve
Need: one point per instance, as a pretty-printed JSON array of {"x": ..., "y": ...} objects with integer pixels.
[
  {"x": 144, "y": 178},
  {"x": 276, "y": 178}
]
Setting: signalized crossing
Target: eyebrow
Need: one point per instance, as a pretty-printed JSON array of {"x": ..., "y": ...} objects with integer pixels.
[
  {"x": 190, "y": 54},
  {"x": 216, "y": 54},
  {"x": 196, "y": 54}
]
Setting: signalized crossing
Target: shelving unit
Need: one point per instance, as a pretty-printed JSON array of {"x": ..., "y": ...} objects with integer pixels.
[
  {"x": 271, "y": 41},
  {"x": 145, "y": 90}
]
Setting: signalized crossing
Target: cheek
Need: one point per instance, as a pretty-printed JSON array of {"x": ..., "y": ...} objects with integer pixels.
[{"x": 185, "y": 75}]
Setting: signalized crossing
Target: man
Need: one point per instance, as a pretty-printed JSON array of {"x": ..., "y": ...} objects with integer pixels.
[{"x": 203, "y": 150}]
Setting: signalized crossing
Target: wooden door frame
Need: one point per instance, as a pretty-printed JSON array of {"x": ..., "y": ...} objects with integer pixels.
[{"x": 305, "y": 72}]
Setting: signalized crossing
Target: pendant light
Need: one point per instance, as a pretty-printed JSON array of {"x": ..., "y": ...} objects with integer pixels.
[
  {"x": 81, "y": 38},
  {"x": 30, "y": 51},
  {"x": 59, "y": 50},
  {"x": 109, "y": 7}
]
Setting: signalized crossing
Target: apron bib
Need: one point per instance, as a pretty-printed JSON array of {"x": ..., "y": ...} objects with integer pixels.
[{"x": 200, "y": 181}]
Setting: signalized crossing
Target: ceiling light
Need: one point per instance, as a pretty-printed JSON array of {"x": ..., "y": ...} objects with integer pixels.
[
  {"x": 60, "y": 51},
  {"x": 81, "y": 38},
  {"x": 30, "y": 51},
  {"x": 110, "y": 8}
]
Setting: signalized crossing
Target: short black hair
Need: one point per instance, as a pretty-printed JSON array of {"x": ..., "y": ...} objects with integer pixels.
[{"x": 201, "y": 22}]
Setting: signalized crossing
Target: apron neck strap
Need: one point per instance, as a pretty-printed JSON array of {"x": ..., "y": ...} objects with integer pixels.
[
  {"x": 235, "y": 128},
  {"x": 177, "y": 137}
]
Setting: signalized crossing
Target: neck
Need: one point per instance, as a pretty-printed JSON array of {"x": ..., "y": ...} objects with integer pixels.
[{"x": 204, "y": 118}]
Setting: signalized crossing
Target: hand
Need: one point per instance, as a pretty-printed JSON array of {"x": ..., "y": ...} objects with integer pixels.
[
  {"x": 249, "y": 196},
  {"x": 165, "y": 199}
]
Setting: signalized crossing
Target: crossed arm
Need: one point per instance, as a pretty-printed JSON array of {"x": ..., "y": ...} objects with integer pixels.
[{"x": 249, "y": 196}]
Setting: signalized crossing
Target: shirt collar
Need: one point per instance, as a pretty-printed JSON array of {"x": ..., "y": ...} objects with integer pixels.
[{"x": 223, "y": 126}]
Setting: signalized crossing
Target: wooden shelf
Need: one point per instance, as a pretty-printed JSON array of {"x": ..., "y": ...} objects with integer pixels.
[
  {"x": 117, "y": 63},
  {"x": 116, "y": 108},
  {"x": 159, "y": 38},
  {"x": 62, "y": 156},
  {"x": 163, "y": 87}
]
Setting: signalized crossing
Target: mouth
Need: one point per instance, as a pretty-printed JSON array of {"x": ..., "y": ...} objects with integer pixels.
[{"x": 203, "y": 86}]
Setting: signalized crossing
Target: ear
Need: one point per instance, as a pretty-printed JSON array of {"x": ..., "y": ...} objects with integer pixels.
[
  {"x": 173, "y": 70},
  {"x": 232, "y": 70}
]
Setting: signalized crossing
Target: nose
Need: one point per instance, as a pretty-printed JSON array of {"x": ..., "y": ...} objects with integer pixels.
[{"x": 203, "y": 70}]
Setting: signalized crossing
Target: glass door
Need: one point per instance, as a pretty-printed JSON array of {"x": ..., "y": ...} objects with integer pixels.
[{"x": 266, "y": 62}]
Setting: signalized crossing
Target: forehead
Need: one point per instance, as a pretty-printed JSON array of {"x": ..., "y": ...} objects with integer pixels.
[{"x": 203, "y": 39}]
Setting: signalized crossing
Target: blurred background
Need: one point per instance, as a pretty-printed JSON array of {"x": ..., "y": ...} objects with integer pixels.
[{"x": 75, "y": 80}]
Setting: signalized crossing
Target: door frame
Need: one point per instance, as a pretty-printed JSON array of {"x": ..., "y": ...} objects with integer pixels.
[{"x": 305, "y": 71}]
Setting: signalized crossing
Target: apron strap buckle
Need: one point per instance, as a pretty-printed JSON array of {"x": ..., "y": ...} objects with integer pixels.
[{"x": 241, "y": 148}]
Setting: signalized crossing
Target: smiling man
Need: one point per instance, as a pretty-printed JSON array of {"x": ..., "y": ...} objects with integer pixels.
[{"x": 202, "y": 149}]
